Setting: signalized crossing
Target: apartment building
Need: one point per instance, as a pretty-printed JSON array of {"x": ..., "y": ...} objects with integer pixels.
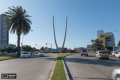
[
  {"x": 4, "y": 34},
  {"x": 107, "y": 38}
]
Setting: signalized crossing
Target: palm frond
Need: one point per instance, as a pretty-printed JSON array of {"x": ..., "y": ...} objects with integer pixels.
[{"x": 17, "y": 19}]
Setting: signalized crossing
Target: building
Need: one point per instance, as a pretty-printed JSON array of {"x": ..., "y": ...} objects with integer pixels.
[
  {"x": 89, "y": 47},
  {"x": 107, "y": 38},
  {"x": 4, "y": 34},
  {"x": 8, "y": 45}
]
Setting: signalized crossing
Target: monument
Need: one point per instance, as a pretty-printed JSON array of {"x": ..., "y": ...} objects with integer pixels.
[{"x": 55, "y": 36}]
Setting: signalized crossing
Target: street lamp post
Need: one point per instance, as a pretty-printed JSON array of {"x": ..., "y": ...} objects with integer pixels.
[{"x": 22, "y": 41}]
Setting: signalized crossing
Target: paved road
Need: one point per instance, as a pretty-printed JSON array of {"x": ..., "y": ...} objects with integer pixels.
[
  {"x": 89, "y": 68},
  {"x": 35, "y": 68}
]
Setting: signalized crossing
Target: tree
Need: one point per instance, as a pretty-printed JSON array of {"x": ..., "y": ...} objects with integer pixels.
[
  {"x": 65, "y": 49},
  {"x": 27, "y": 48},
  {"x": 49, "y": 48},
  {"x": 17, "y": 21},
  {"x": 97, "y": 44},
  {"x": 2, "y": 50},
  {"x": 118, "y": 43},
  {"x": 42, "y": 48},
  {"x": 46, "y": 48},
  {"x": 9, "y": 49}
]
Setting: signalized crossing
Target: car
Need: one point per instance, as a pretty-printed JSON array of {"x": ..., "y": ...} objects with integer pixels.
[
  {"x": 108, "y": 52},
  {"x": 36, "y": 52},
  {"x": 55, "y": 50},
  {"x": 30, "y": 52},
  {"x": 116, "y": 74},
  {"x": 113, "y": 53},
  {"x": 64, "y": 51},
  {"x": 117, "y": 55},
  {"x": 41, "y": 54},
  {"x": 72, "y": 51},
  {"x": 102, "y": 55},
  {"x": 45, "y": 51},
  {"x": 25, "y": 55},
  {"x": 84, "y": 52}
]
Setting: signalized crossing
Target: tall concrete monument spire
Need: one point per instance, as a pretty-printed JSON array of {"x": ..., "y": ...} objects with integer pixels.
[
  {"x": 65, "y": 34},
  {"x": 55, "y": 36}
]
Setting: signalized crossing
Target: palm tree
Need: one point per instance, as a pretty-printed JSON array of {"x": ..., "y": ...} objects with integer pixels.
[
  {"x": 17, "y": 21},
  {"x": 92, "y": 40}
]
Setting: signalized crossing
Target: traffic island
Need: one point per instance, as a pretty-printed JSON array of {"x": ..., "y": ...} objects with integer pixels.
[{"x": 59, "y": 71}]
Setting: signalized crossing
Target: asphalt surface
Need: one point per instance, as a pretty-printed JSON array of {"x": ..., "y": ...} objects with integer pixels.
[
  {"x": 90, "y": 68},
  {"x": 34, "y": 68}
]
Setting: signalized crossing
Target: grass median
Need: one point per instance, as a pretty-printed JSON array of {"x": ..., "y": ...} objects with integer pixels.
[
  {"x": 59, "y": 73},
  {"x": 8, "y": 56}
]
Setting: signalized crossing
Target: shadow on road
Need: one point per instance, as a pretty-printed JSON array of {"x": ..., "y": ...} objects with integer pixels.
[
  {"x": 86, "y": 60},
  {"x": 93, "y": 78}
]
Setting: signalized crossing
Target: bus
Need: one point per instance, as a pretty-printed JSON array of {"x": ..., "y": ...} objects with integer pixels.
[{"x": 55, "y": 51}]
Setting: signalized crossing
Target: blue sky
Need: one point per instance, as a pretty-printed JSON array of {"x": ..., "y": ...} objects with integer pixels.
[{"x": 84, "y": 19}]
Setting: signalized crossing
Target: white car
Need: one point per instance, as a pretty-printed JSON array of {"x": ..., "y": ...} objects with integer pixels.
[
  {"x": 116, "y": 74},
  {"x": 84, "y": 52},
  {"x": 41, "y": 54},
  {"x": 117, "y": 55},
  {"x": 113, "y": 53},
  {"x": 25, "y": 55}
]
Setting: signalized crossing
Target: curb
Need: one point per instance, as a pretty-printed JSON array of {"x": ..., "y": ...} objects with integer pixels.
[
  {"x": 67, "y": 71},
  {"x": 7, "y": 59},
  {"x": 52, "y": 69}
]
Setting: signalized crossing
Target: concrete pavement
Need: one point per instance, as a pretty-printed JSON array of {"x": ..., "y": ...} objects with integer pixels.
[
  {"x": 34, "y": 68},
  {"x": 89, "y": 68}
]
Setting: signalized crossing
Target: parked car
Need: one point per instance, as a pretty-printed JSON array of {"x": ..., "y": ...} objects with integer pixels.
[
  {"x": 84, "y": 52},
  {"x": 64, "y": 51},
  {"x": 30, "y": 53},
  {"x": 102, "y": 55},
  {"x": 41, "y": 54},
  {"x": 36, "y": 52},
  {"x": 117, "y": 55},
  {"x": 116, "y": 74},
  {"x": 108, "y": 52},
  {"x": 25, "y": 54},
  {"x": 72, "y": 51}
]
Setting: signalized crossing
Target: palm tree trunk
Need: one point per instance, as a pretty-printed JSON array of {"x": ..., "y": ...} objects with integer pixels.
[
  {"x": 18, "y": 45},
  {"x": 65, "y": 34},
  {"x": 54, "y": 33}
]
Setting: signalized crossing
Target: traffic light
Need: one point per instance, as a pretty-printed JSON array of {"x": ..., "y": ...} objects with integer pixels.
[{"x": 46, "y": 43}]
